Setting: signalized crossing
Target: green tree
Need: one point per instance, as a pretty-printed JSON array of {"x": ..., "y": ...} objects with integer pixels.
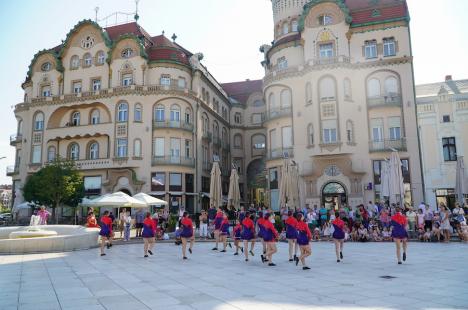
[{"x": 58, "y": 183}]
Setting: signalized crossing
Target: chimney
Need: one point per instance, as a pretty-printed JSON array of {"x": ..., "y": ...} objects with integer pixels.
[{"x": 448, "y": 78}]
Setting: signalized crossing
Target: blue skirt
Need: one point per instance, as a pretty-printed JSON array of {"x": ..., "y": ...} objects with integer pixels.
[
  {"x": 291, "y": 232},
  {"x": 399, "y": 232},
  {"x": 247, "y": 234},
  {"x": 302, "y": 238},
  {"x": 338, "y": 233},
  {"x": 147, "y": 232},
  {"x": 187, "y": 232}
]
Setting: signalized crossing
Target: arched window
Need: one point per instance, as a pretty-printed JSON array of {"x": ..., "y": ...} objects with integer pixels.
[
  {"x": 258, "y": 142},
  {"x": 122, "y": 112},
  {"x": 285, "y": 28},
  {"x": 75, "y": 119},
  {"x": 215, "y": 129},
  {"x": 294, "y": 26},
  {"x": 391, "y": 86},
  {"x": 87, "y": 60},
  {"x": 175, "y": 113},
  {"x": 373, "y": 88},
  {"x": 349, "y": 131},
  {"x": 188, "y": 115},
  {"x": 138, "y": 114},
  {"x": 19, "y": 129},
  {"x": 310, "y": 134},
  {"x": 159, "y": 111},
  {"x": 272, "y": 102},
  {"x": 95, "y": 117},
  {"x": 308, "y": 93},
  {"x": 127, "y": 53},
  {"x": 39, "y": 121},
  {"x": 93, "y": 152},
  {"x": 347, "y": 89},
  {"x": 137, "y": 148},
  {"x": 100, "y": 57},
  {"x": 285, "y": 99},
  {"x": 224, "y": 134},
  {"x": 327, "y": 89},
  {"x": 74, "y": 151},
  {"x": 205, "y": 123},
  {"x": 237, "y": 141},
  {"x": 51, "y": 153},
  {"x": 74, "y": 62}
]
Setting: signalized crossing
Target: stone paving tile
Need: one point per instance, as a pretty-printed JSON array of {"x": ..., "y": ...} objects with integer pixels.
[{"x": 215, "y": 281}]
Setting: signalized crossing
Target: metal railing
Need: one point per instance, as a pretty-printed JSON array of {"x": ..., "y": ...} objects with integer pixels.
[
  {"x": 173, "y": 160},
  {"x": 277, "y": 113},
  {"x": 16, "y": 138},
  {"x": 384, "y": 101},
  {"x": 388, "y": 145},
  {"x": 173, "y": 124},
  {"x": 207, "y": 136},
  {"x": 280, "y": 153},
  {"x": 93, "y": 163},
  {"x": 12, "y": 170},
  {"x": 330, "y": 60}
]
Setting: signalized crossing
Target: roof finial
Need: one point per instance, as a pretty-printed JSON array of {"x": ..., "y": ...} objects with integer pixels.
[
  {"x": 174, "y": 37},
  {"x": 163, "y": 32},
  {"x": 96, "y": 9},
  {"x": 136, "y": 10}
]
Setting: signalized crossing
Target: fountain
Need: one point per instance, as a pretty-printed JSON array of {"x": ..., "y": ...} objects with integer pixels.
[{"x": 33, "y": 231}]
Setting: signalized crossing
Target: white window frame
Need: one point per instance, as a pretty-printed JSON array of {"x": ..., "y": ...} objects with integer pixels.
[
  {"x": 122, "y": 114},
  {"x": 94, "y": 151},
  {"x": 127, "y": 79},
  {"x": 330, "y": 135},
  {"x": 77, "y": 87},
  {"x": 76, "y": 118},
  {"x": 96, "y": 84},
  {"x": 389, "y": 47},
  {"x": 95, "y": 118},
  {"x": 122, "y": 148},
  {"x": 370, "y": 49},
  {"x": 326, "y": 50}
]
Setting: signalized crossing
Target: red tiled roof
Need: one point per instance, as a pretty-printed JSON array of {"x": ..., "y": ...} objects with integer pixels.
[
  {"x": 166, "y": 53},
  {"x": 241, "y": 91},
  {"x": 364, "y": 16},
  {"x": 365, "y": 4}
]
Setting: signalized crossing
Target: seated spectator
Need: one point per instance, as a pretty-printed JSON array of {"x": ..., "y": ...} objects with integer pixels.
[
  {"x": 375, "y": 234},
  {"x": 385, "y": 218},
  {"x": 427, "y": 236},
  {"x": 354, "y": 234},
  {"x": 386, "y": 235},
  {"x": 316, "y": 235},
  {"x": 463, "y": 232},
  {"x": 421, "y": 233},
  {"x": 327, "y": 231},
  {"x": 436, "y": 233},
  {"x": 363, "y": 234},
  {"x": 420, "y": 219}
]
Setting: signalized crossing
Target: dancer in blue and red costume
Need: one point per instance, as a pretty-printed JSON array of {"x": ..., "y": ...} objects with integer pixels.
[
  {"x": 224, "y": 232},
  {"x": 248, "y": 235},
  {"x": 303, "y": 240},
  {"x": 291, "y": 235},
  {"x": 217, "y": 227},
  {"x": 236, "y": 232},
  {"x": 338, "y": 236},
  {"x": 148, "y": 234},
  {"x": 270, "y": 236},
  {"x": 186, "y": 234},
  {"x": 261, "y": 230},
  {"x": 105, "y": 232},
  {"x": 399, "y": 233}
]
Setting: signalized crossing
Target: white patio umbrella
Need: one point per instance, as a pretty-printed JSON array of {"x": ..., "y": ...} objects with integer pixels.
[
  {"x": 234, "y": 192},
  {"x": 150, "y": 200},
  {"x": 293, "y": 186},
  {"x": 396, "y": 186},
  {"x": 461, "y": 183},
  {"x": 384, "y": 180},
  {"x": 215, "y": 186},
  {"x": 119, "y": 200}
]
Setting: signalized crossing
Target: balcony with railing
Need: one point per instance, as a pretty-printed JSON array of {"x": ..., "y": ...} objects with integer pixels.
[
  {"x": 216, "y": 141},
  {"x": 280, "y": 153},
  {"x": 173, "y": 160},
  {"x": 16, "y": 138},
  {"x": 87, "y": 164},
  {"x": 12, "y": 170},
  {"x": 174, "y": 125},
  {"x": 389, "y": 100},
  {"x": 208, "y": 136},
  {"x": 320, "y": 61},
  {"x": 277, "y": 113},
  {"x": 387, "y": 145}
]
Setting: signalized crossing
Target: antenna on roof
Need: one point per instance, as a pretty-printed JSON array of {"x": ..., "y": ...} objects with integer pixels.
[
  {"x": 96, "y": 10},
  {"x": 136, "y": 10}
]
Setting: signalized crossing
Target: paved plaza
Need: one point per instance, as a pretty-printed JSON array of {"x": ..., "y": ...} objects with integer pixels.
[{"x": 435, "y": 277}]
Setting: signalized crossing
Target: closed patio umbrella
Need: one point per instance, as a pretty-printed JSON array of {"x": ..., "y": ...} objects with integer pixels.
[
  {"x": 293, "y": 186},
  {"x": 283, "y": 186},
  {"x": 215, "y": 186},
  {"x": 461, "y": 183},
  {"x": 234, "y": 192},
  {"x": 396, "y": 186},
  {"x": 384, "y": 180},
  {"x": 150, "y": 200}
]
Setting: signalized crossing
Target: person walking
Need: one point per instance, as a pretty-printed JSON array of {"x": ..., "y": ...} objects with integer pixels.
[
  {"x": 445, "y": 223},
  {"x": 105, "y": 232},
  {"x": 217, "y": 226},
  {"x": 303, "y": 240},
  {"x": 291, "y": 235},
  {"x": 248, "y": 235},
  {"x": 237, "y": 237},
  {"x": 128, "y": 226},
  {"x": 139, "y": 218},
  {"x": 338, "y": 236},
  {"x": 148, "y": 234},
  {"x": 121, "y": 223},
  {"x": 270, "y": 235},
  {"x": 187, "y": 234},
  {"x": 261, "y": 229},
  {"x": 203, "y": 230},
  {"x": 224, "y": 232},
  {"x": 399, "y": 233}
]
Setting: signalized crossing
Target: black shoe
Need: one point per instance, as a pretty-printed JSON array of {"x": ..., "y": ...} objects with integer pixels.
[
  {"x": 399, "y": 263},
  {"x": 295, "y": 256},
  {"x": 103, "y": 254},
  {"x": 223, "y": 251},
  {"x": 341, "y": 255},
  {"x": 404, "y": 256},
  {"x": 236, "y": 253},
  {"x": 150, "y": 252},
  {"x": 108, "y": 246},
  {"x": 264, "y": 252},
  {"x": 297, "y": 260},
  {"x": 338, "y": 261},
  {"x": 214, "y": 249},
  {"x": 252, "y": 253},
  {"x": 242, "y": 249},
  {"x": 146, "y": 255},
  {"x": 190, "y": 251},
  {"x": 184, "y": 257},
  {"x": 291, "y": 260},
  {"x": 230, "y": 245},
  {"x": 263, "y": 258},
  {"x": 246, "y": 259},
  {"x": 305, "y": 268},
  {"x": 271, "y": 264}
]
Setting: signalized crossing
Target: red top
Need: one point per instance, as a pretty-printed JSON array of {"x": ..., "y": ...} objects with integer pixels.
[
  {"x": 291, "y": 221},
  {"x": 302, "y": 226},
  {"x": 400, "y": 219},
  {"x": 107, "y": 221},
  {"x": 248, "y": 223},
  {"x": 219, "y": 214},
  {"x": 339, "y": 223},
  {"x": 187, "y": 222},
  {"x": 91, "y": 222},
  {"x": 237, "y": 227},
  {"x": 261, "y": 221},
  {"x": 269, "y": 226},
  {"x": 150, "y": 222}
]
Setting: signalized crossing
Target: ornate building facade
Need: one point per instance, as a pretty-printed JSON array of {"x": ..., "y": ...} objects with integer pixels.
[{"x": 140, "y": 113}]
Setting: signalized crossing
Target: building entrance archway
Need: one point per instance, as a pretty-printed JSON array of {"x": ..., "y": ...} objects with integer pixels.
[{"x": 334, "y": 195}]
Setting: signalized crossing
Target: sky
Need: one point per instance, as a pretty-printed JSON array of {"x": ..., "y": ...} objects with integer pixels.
[{"x": 228, "y": 33}]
